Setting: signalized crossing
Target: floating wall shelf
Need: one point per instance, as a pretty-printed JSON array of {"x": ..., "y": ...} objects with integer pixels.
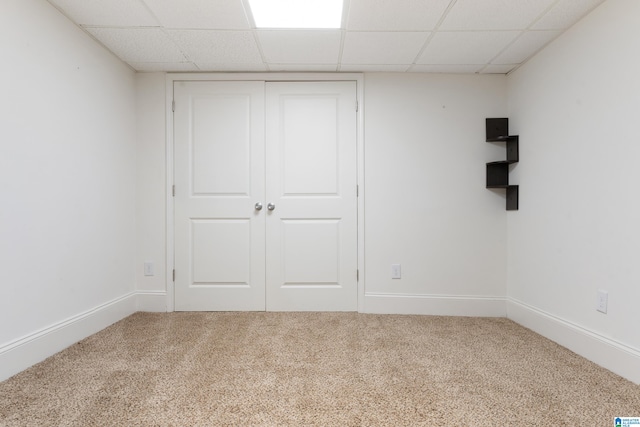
[{"x": 498, "y": 172}]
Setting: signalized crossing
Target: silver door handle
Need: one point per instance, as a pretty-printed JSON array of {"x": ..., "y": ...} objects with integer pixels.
[
  {"x": 271, "y": 206},
  {"x": 258, "y": 206}
]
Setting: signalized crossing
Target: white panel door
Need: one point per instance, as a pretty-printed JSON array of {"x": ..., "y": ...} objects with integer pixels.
[
  {"x": 219, "y": 177},
  {"x": 311, "y": 186}
]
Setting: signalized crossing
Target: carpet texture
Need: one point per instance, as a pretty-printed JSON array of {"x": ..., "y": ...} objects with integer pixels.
[{"x": 315, "y": 369}]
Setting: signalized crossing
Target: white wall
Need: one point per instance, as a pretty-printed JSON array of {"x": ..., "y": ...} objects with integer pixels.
[
  {"x": 151, "y": 190},
  {"x": 426, "y": 203},
  {"x": 576, "y": 107},
  {"x": 67, "y": 185},
  {"x": 427, "y": 207}
]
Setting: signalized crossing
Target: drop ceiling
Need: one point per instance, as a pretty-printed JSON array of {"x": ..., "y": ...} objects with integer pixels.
[{"x": 440, "y": 36}]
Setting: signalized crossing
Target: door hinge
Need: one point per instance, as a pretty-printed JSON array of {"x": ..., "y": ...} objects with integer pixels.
[
  {"x": 174, "y": 275},
  {"x": 173, "y": 106},
  {"x": 357, "y": 191},
  {"x": 356, "y": 105},
  {"x": 173, "y": 190},
  {"x": 357, "y": 275}
]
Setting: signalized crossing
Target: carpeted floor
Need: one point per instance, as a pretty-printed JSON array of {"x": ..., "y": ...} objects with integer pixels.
[{"x": 315, "y": 369}]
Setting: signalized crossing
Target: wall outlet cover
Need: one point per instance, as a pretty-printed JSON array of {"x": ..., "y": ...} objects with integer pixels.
[
  {"x": 602, "y": 301},
  {"x": 149, "y": 268},
  {"x": 396, "y": 272}
]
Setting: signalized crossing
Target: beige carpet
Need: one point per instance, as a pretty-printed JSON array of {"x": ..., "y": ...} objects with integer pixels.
[{"x": 315, "y": 369}]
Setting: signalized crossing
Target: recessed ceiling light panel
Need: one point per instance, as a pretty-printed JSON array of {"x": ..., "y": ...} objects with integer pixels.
[{"x": 297, "y": 13}]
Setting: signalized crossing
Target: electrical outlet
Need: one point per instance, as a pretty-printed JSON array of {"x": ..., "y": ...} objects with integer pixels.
[
  {"x": 396, "y": 273},
  {"x": 602, "y": 301},
  {"x": 148, "y": 268}
]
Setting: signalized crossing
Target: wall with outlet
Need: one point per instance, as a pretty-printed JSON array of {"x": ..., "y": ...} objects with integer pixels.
[
  {"x": 576, "y": 239},
  {"x": 428, "y": 217},
  {"x": 151, "y": 189},
  {"x": 426, "y": 206}
]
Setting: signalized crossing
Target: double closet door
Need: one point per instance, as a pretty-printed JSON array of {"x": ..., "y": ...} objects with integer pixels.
[{"x": 265, "y": 196}]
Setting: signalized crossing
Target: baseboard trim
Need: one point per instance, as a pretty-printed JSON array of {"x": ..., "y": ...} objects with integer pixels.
[
  {"x": 151, "y": 301},
  {"x": 22, "y": 353},
  {"x": 436, "y": 305},
  {"x": 606, "y": 352}
]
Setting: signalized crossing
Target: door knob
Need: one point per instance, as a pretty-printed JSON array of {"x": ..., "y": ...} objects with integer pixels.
[
  {"x": 271, "y": 206},
  {"x": 258, "y": 206}
]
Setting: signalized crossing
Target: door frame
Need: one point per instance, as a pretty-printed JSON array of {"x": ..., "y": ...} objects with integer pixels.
[{"x": 171, "y": 78}]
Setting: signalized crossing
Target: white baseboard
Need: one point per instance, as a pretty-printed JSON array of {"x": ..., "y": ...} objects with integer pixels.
[
  {"x": 610, "y": 354},
  {"x": 436, "y": 305},
  {"x": 151, "y": 301},
  {"x": 27, "y": 351}
]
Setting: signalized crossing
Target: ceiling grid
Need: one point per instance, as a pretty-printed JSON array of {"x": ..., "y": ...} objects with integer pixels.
[{"x": 443, "y": 36}]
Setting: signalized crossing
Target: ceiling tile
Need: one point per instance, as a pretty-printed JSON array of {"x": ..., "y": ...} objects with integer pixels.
[
  {"x": 525, "y": 46},
  {"x": 384, "y": 68},
  {"x": 498, "y": 68},
  {"x": 139, "y": 44},
  {"x": 465, "y": 47},
  {"x": 163, "y": 66},
  {"x": 200, "y": 14},
  {"x": 382, "y": 48},
  {"x": 494, "y": 14},
  {"x": 321, "y": 68},
  {"x": 249, "y": 67},
  {"x": 115, "y": 13},
  {"x": 217, "y": 47},
  {"x": 394, "y": 15},
  {"x": 300, "y": 46},
  {"x": 456, "y": 69},
  {"x": 565, "y": 13}
]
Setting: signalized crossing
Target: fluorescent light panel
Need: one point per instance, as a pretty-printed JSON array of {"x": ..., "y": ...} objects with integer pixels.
[{"x": 297, "y": 13}]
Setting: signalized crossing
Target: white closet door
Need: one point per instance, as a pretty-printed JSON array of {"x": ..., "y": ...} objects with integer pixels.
[
  {"x": 311, "y": 185},
  {"x": 219, "y": 178}
]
